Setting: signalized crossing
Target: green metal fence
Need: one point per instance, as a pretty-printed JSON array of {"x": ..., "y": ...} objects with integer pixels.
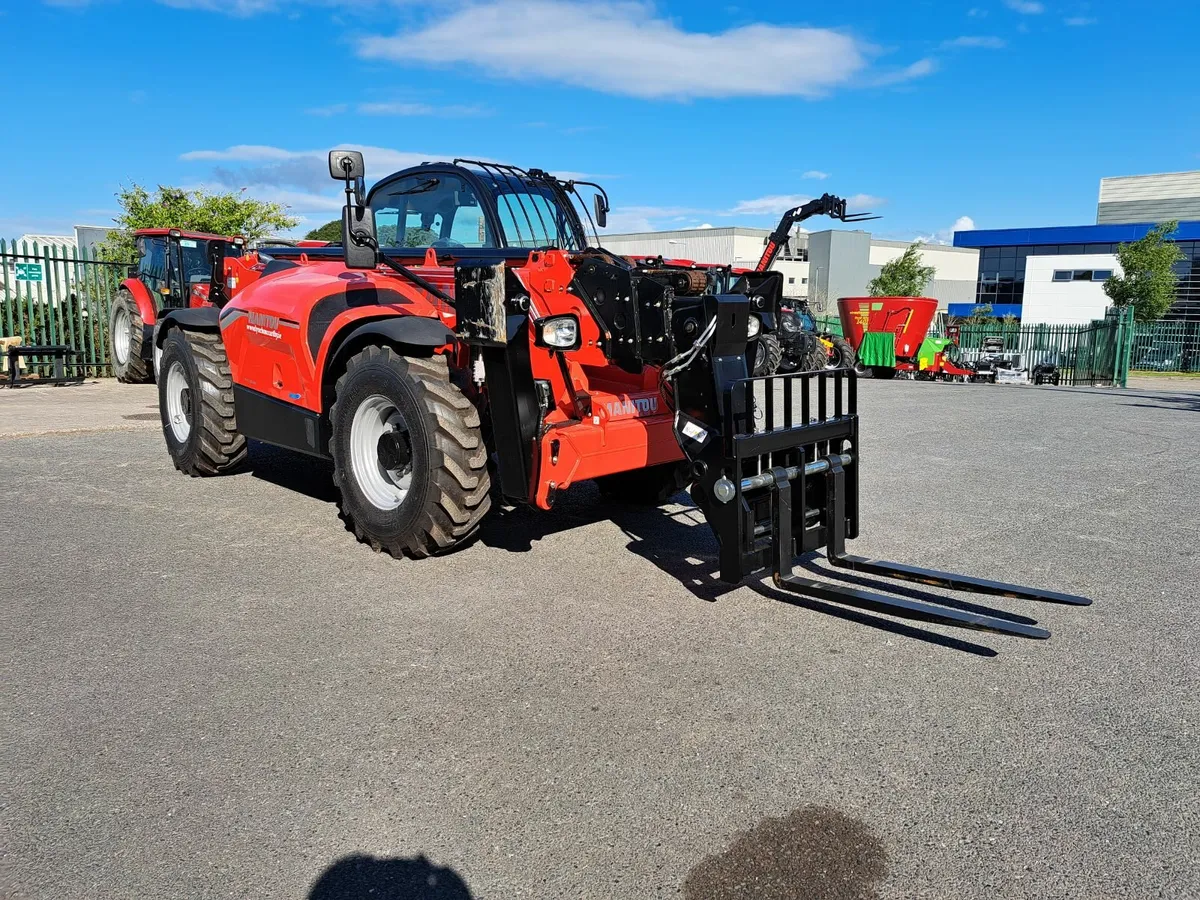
[
  {"x": 1166, "y": 347},
  {"x": 1094, "y": 354},
  {"x": 57, "y": 295}
]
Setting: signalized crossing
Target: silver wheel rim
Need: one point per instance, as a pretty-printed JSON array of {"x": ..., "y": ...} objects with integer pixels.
[
  {"x": 385, "y": 488},
  {"x": 157, "y": 360},
  {"x": 121, "y": 335},
  {"x": 179, "y": 412}
]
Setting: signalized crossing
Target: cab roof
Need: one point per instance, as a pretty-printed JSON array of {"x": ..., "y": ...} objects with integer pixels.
[{"x": 196, "y": 235}]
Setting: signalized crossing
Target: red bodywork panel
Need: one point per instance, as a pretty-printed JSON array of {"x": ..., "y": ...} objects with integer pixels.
[
  {"x": 630, "y": 423},
  {"x": 147, "y": 308}
]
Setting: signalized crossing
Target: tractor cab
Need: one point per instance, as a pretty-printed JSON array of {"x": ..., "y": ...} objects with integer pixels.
[{"x": 176, "y": 267}]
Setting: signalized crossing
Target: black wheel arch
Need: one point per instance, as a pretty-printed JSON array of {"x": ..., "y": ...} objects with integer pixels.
[
  {"x": 200, "y": 318},
  {"x": 408, "y": 335}
]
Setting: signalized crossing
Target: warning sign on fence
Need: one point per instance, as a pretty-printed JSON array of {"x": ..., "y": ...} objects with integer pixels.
[{"x": 29, "y": 271}]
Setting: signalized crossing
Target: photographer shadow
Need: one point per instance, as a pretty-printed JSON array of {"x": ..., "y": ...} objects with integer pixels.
[{"x": 363, "y": 877}]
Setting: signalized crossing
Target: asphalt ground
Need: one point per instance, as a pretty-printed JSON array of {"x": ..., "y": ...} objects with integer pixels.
[{"x": 211, "y": 690}]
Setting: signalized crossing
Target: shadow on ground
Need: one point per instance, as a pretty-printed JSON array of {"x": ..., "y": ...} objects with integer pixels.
[
  {"x": 363, "y": 877},
  {"x": 814, "y": 853}
]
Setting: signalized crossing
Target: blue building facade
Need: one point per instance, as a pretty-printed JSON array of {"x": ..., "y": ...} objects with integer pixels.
[{"x": 1003, "y": 252}]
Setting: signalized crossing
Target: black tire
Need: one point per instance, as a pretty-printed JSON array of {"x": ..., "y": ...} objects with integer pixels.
[
  {"x": 124, "y": 317},
  {"x": 841, "y": 356},
  {"x": 767, "y": 354},
  {"x": 883, "y": 372},
  {"x": 212, "y": 444},
  {"x": 445, "y": 457},
  {"x": 651, "y": 486}
]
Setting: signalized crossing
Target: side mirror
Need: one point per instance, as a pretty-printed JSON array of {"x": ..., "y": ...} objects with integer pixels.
[
  {"x": 346, "y": 165},
  {"x": 601, "y": 208},
  {"x": 360, "y": 247}
]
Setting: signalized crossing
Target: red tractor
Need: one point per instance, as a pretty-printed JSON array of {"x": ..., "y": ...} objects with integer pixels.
[
  {"x": 465, "y": 344},
  {"x": 175, "y": 270}
]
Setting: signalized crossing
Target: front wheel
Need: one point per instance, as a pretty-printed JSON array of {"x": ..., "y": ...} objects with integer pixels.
[
  {"x": 195, "y": 401},
  {"x": 125, "y": 333},
  {"x": 409, "y": 460},
  {"x": 767, "y": 354}
]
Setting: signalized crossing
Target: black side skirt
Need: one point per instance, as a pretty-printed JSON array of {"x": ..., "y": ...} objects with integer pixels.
[{"x": 283, "y": 424}]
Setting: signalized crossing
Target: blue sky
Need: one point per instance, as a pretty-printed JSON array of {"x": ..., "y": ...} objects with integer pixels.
[{"x": 1001, "y": 112}]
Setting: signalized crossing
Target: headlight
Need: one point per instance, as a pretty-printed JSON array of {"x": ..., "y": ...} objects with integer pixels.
[
  {"x": 787, "y": 322},
  {"x": 753, "y": 326},
  {"x": 559, "y": 333}
]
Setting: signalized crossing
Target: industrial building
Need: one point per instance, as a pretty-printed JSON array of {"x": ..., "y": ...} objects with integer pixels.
[
  {"x": 1056, "y": 275},
  {"x": 818, "y": 266}
]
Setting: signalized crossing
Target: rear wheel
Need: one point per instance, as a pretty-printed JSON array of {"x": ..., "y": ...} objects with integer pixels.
[
  {"x": 767, "y": 354},
  {"x": 125, "y": 331},
  {"x": 408, "y": 456},
  {"x": 195, "y": 401},
  {"x": 841, "y": 354},
  {"x": 651, "y": 486}
]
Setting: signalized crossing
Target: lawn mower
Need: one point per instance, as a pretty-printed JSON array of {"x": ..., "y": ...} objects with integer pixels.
[
  {"x": 175, "y": 269},
  {"x": 466, "y": 344}
]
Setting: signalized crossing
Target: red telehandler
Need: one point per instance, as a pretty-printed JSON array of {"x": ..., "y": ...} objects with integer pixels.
[
  {"x": 175, "y": 269},
  {"x": 466, "y": 342}
]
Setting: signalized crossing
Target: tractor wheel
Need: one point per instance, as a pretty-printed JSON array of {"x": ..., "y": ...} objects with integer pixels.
[
  {"x": 812, "y": 356},
  {"x": 841, "y": 354},
  {"x": 125, "y": 341},
  {"x": 651, "y": 486},
  {"x": 767, "y": 354},
  {"x": 408, "y": 455},
  {"x": 195, "y": 400}
]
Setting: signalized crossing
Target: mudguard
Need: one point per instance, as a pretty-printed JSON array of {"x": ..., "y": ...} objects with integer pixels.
[
  {"x": 200, "y": 318},
  {"x": 143, "y": 299},
  {"x": 413, "y": 331}
]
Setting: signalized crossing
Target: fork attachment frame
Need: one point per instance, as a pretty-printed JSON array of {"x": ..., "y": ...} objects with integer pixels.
[{"x": 782, "y": 481}]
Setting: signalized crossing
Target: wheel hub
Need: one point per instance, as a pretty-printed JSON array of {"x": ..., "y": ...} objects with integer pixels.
[
  {"x": 179, "y": 402},
  {"x": 121, "y": 323},
  {"x": 381, "y": 455}
]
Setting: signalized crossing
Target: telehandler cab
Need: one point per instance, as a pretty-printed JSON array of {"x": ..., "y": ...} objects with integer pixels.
[{"x": 465, "y": 342}]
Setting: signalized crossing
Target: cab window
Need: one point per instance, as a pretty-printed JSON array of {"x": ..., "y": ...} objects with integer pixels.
[{"x": 433, "y": 209}]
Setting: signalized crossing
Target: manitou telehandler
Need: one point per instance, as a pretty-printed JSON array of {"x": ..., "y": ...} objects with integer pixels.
[
  {"x": 174, "y": 270},
  {"x": 466, "y": 343}
]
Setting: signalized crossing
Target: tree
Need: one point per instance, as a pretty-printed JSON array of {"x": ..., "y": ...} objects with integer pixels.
[
  {"x": 903, "y": 276},
  {"x": 1148, "y": 282},
  {"x": 169, "y": 207},
  {"x": 980, "y": 315},
  {"x": 330, "y": 231}
]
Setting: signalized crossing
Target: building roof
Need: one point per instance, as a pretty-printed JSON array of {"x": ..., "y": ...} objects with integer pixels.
[{"x": 1068, "y": 234}]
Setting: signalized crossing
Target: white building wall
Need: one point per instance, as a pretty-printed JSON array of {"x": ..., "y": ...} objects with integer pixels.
[
  {"x": 950, "y": 263},
  {"x": 1053, "y": 302}
]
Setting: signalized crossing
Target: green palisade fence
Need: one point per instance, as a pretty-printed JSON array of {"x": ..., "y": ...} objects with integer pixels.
[
  {"x": 57, "y": 295},
  {"x": 1166, "y": 347},
  {"x": 1098, "y": 353}
]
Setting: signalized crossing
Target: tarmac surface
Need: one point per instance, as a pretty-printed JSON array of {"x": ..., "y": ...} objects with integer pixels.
[{"x": 211, "y": 690}]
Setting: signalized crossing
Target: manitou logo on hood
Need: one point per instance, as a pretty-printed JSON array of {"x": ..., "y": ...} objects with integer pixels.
[
  {"x": 633, "y": 406},
  {"x": 261, "y": 323}
]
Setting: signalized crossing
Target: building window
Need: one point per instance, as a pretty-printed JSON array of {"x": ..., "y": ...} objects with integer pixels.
[
  {"x": 1082, "y": 275},
  {"x": 792, "y": 281},
  {"x": 1101, "y": 274},
  {"x": 1062, "y": 274},
  {"x": 804, "y": 281}
]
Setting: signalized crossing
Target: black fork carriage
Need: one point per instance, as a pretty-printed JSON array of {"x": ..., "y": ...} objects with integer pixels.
[{"x": 782, "y": 481}]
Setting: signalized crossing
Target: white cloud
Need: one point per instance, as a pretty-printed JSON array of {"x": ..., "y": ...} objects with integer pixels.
[
  {"x": 946, "y": 235},
  {"x": 772, "y": 204},
  {"x": 704, "y": 225},
  {"x": 335, "y": 109},
  {"x": 991, "y": 43},
  {"x": 813, "y": 173},
  {"x": 976, "y": 12},
  {"x": 1079, "y": 21},
  {"x": 864, "y": 202},
  {"x": 419, "y": 109},
  {"x": 631, "y": 50},
  {"x": 1026, "y": 7},
  {"x": 919, "y": 69}
]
